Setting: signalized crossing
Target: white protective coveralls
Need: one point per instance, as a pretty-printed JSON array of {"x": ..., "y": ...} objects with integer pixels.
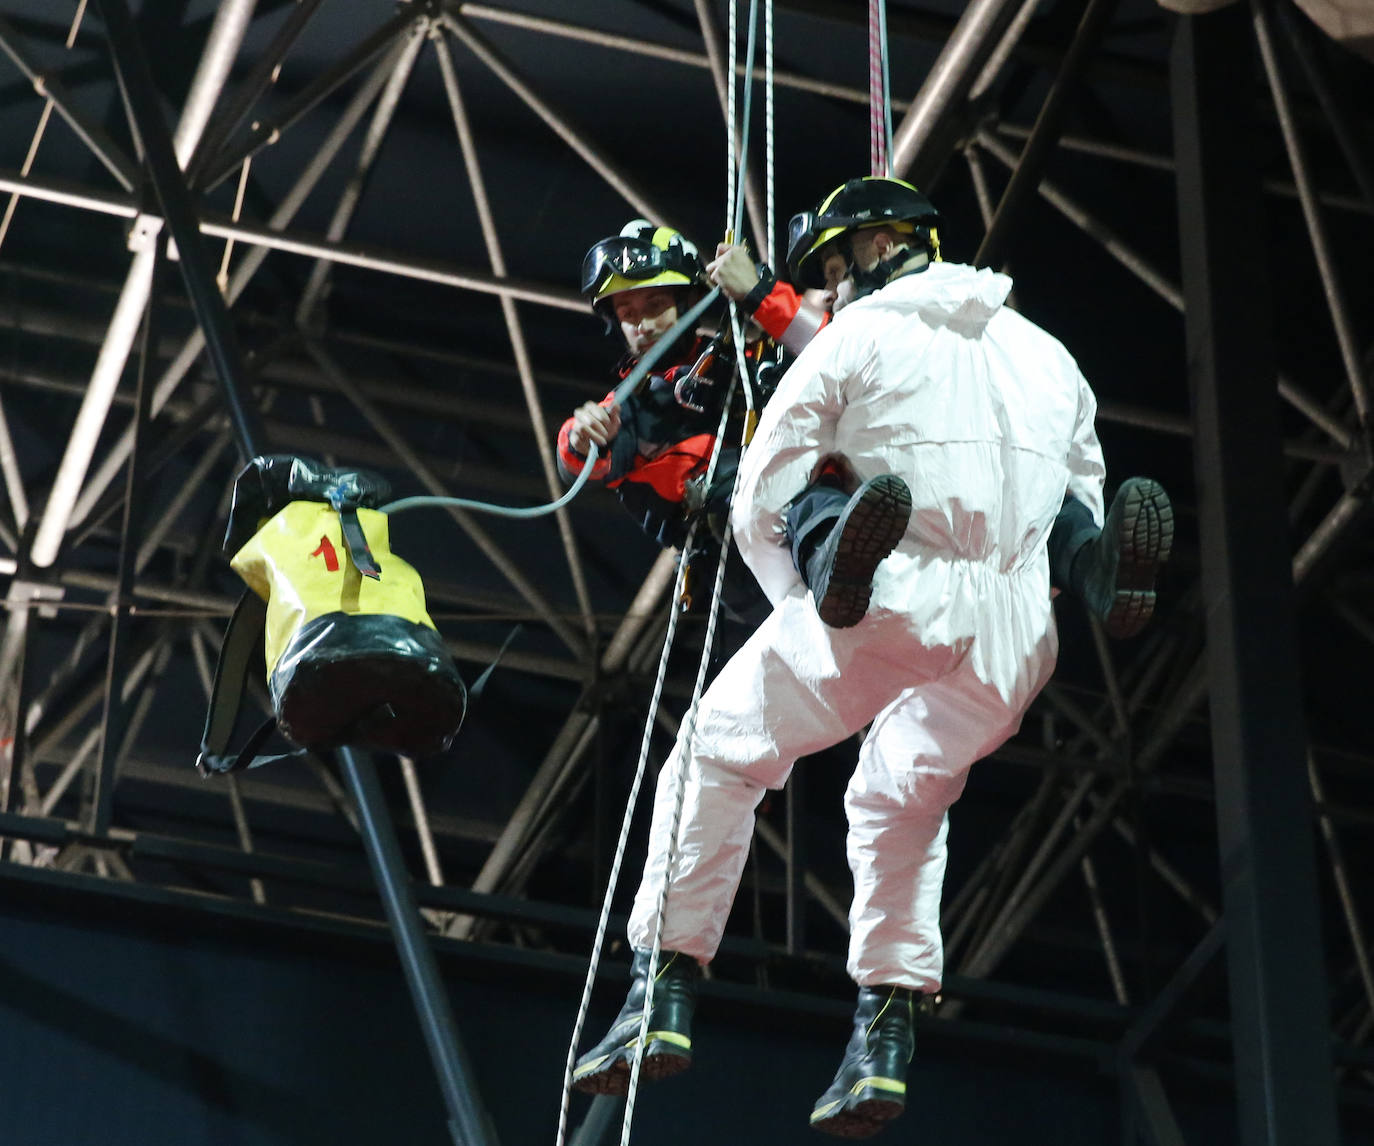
[{"x": 989, "y": 421}]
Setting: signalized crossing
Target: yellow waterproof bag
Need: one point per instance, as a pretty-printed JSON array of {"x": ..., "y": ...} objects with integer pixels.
[{"x": 351, "y": 655}]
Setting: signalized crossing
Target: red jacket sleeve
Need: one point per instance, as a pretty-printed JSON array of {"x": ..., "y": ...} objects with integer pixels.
[{"x": 787, "y": 319}]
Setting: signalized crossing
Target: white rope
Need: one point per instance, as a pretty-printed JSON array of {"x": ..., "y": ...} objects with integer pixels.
[
  {"x": 613, "y": 879},
  {"x": 678, "y": 761},
  {"x": 731, "y": 151},
  {"x": 624, "y": 835},
  {"x": 735, "y": 208},
  {"x": 770, "y": 164}
]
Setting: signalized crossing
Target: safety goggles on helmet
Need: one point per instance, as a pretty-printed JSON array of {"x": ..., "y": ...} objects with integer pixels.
[{"x": 619, "y": 255}]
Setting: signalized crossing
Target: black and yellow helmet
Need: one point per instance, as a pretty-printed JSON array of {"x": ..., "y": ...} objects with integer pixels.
[
  {"x": 642, "y": 255},
  {"x": 870, "y": 201}
]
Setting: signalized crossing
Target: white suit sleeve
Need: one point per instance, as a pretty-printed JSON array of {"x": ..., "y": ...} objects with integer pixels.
[
  {"x": 1087, "y": 470},
  {"x": 796, "y": 430}
]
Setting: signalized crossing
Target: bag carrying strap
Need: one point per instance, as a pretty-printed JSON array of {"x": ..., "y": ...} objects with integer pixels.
[{"x": 236, "y": 655}]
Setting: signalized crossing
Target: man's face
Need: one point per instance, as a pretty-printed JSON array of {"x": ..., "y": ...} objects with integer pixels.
[
  {"x": 645, "y": 315},
  {"x": 864, "y": 245},
  {"x": 834, "y": 265}
]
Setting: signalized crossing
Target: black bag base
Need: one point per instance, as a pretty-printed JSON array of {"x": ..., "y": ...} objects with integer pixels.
[{"x": 369, "y": 681}]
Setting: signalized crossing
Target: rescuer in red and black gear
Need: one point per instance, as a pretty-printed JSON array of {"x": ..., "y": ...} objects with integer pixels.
[{"x": 655, "y": 448}]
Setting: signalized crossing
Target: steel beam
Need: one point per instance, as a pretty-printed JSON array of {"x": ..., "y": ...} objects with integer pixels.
[
  {"x": 1045, "y": 134},
  {"x": 925, "y": 137},
  {"x": 468, "y": 1121},
  {"x": 1262, "y": 17},
  {"x": 265, "y": 132},
  {"x": 1139, "y": 266},
  {"x": 562, "y": 127},
  {"x": 1264, "y": 808},
  {"x": 382, "y": 114},
  {"x": 163, "y": 157},
  {"x": 226, "y": 34},
  {"x": 115, "y": 718},
  {"x": 514, "y": 330},
  {"x": 229, "y": 116},
  {"x": 242, "y": 275},
  {"x": 113, "y": 157}
]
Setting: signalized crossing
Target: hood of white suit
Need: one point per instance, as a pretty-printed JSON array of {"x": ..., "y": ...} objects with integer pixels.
[{"x": 952, "y": 295}]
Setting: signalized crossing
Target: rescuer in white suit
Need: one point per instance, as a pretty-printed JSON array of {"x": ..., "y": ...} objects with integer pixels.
[{"x": 939, "y": 403}]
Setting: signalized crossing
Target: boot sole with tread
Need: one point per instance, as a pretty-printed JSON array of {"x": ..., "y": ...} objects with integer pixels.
[
  {"x": 859, "y": 1115},
  {"x": 611, "y": 1076},
  {"x": 868, "y": 533},
  {"x": 1144, "y": 541}
]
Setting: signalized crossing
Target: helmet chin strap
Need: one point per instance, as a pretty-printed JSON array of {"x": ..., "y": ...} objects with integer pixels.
[{"x": 866, "y": 282}]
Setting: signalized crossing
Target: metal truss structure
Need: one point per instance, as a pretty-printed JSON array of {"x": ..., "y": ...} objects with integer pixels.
[{"x": 396, "y": 194}]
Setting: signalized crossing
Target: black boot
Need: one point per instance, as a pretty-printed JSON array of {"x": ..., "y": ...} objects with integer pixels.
[
  {"x": 1115, "y": 574},
  {"x": 869, "y": 1090},
  {"x": 839, "y": 572},
  {"x": 605, "y": 1069}
]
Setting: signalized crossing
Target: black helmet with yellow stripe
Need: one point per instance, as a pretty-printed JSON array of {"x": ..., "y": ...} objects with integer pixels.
[
  {"x": 642, "y": 255},
  {"x": 870, "y": 201}
]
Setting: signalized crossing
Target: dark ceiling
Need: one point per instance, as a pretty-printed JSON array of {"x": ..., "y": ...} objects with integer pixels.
[{"x": 583, "y": 115}]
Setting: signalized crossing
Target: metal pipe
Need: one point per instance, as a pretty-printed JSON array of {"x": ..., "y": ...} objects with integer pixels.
[
  {"x": 466, "y": 520},
  {"x": 628, "y": 45},
  {"x": 163, "y": 157},
  {"x": 1045, "y": 134},
  {"x": 1114, "y": 696},
  {"x": 1009, "y": 928},
  {"x": 219, "y": 51},
  {"x": 575, "y": 139},
  {"x": 1340, "y": 874},
  {"x": 514, "y": 835},
  {"x": 265, "y": 132},
  {"x": 514, "y": 330},
  {"x": 169, "y": 513},
  {"x": 1166, "y": 871},
  {"x": 1103, "y": 924},
  {"x": 420, "y": 817},
  {"x": 14, "y": 480},
  {"x": 247, "y": 268},
  {"x": 1299, "y": 34},
  {"x": 1157, "y": 162},
  {"x": 823, "y": 896},
  {"x": 232, "y": 18},
  {"x": 642, "y": 609},
  {"x": 1068, "y": 814},
  {"x": 1152, "y": 278},
  {"x": 1005, "y": 47},
  {"x": 533, "y": 816},
  {"x": 101, "y": 145},
  {"x": 90, "y": 420},
  {"x": 1316, "y": 226},
  {"x": 468, "y": 1122},
  {"x": 1089, "y": 225},
  {"x": 264, "y": 73},
  {"x": 947, "y": 85},
  {"x": 270, "y": 238},
  {"x": 1350, "y": 508},
  {"x": 382, "y": 114}
]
